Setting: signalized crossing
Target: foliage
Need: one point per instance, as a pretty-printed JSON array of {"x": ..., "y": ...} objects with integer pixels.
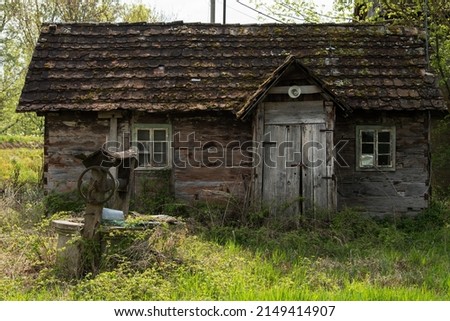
[
  {"x": 10, "y": 141},
  {"x": 348, "y": 257},
  {"x": 142, "y": 13},
  {"x": 154, "y": 196},
  {"x": 68, "y": 201},
  {"x": 26, "y": 245},
  {"x": 441, "y": 158},
  {"x": 19, "y": 30},
  {"x": 20, "y": 166},
  {"x": 303, "y": 11}
]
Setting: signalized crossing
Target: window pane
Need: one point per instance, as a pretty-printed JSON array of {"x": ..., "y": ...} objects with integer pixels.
[
  {"x": 144, "y": 147},
  {"x": 384, "y": 137},
  {"x": 367, "y": 148},
  {"x": 157, "y": 158},
  {"x": 160, "y": 147},
  {"x": 384, "y": 160},
  {"x": 159, "y": 135},
  {"x": 384, "y": 148},
  {"x": 367, "y": 135},
  {"x": 142, "y": 161},
  {"x": 164, "y": 159},
  {"x": 143, "y": 134},
  {"x": 366, "y": 160},
  {"x": 160, "y": 160},
  {"x": 141, "y": 147}
]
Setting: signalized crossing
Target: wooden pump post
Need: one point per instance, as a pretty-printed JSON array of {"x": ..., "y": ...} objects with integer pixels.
[{"x": 99, "y": 186}]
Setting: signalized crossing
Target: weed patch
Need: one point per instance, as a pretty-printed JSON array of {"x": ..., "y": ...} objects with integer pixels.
[
  {"x": 20, "y": 166},
  {"x": 345, "y": 256}
]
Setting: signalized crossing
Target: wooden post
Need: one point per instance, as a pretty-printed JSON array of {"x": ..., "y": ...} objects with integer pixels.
[
  {"x": 90, "y": 248},
  {"x": 93, "y": 213}
]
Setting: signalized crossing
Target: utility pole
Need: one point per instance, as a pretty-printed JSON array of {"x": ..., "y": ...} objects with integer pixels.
[
  {"x": 212, "y": 14},
  {"x": 224, "y": 11}
]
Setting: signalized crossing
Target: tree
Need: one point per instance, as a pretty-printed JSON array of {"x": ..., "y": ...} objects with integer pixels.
[
  {"x": 142, "y": 13},
  {"x": 86, "y": 10},
  {"x": 20, "y": 22},
  {"x": 434, "y": 15},
  {"x": 303, "y": 11}
]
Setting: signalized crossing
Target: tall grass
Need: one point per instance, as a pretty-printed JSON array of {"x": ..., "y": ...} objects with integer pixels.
[
  {"x": 166, "y": 264},
  {"x": 20, "y": 166},
  {"x": 345, "y": 257},
  {"x": 200, "y": 269}
]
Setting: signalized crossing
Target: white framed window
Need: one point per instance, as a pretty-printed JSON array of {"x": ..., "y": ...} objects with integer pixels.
[
  {"x": 375, "y": 148},
  {"x": 152, "y": 142}
]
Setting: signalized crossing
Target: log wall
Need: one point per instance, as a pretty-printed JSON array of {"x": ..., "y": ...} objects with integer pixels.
[
  {"x": 207, "y": 159},
  {"x": 67, "y": 136},
  {"x": 399, "y": 192}
]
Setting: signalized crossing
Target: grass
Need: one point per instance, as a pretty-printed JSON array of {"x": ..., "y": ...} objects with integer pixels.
[
  {"x": 351, "y": 257},
  {"x": 20, "y": 166},
  {"x": 21, "y": 140},
  {"x": 237, "y": 264}
]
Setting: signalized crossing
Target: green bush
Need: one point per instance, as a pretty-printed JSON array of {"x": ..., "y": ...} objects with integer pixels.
[
  {"x": 441, "y": 158},
  {"x": 63, "y": 202},
  {"x": 350, "y": 224},
  {"x": 434, "y": 217},
  {"x": 154, "y": 195}
]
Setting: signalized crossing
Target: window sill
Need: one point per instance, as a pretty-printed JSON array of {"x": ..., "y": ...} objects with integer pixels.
[
  {"x": 152, "y": 168},
  {"x": 375, "y": 169}
]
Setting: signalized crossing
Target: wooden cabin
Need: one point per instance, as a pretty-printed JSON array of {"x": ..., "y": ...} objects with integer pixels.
[{"x": 296, "y": 117}]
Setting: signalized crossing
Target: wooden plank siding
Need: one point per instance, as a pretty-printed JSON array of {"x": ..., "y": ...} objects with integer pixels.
[
  {"x": 303, "y": 112},
  {"x": 330, "y": 111},
  {"x": 258, "y": 138},
  {"x": 208, "y": 161},
  {"x": 405, "y": 190},
  {"x": 70, "y": 134},
  {"x": 382, "y": 193}
]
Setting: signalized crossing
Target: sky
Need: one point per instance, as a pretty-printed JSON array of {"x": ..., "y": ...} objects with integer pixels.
[{"x": 199, "y": 10}]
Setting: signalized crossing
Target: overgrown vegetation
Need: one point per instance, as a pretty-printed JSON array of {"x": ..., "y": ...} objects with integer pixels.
[
  {"x": 441, "y": 158},
  {"x": 154, "y": 192},
  {"x": 220, "y": 254},
  {"x": 350, "y": 258},
  {"x": 20, "y": 166}
]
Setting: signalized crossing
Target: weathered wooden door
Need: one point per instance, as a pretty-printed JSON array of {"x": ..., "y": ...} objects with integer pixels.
[
  {"x": 282, "y": 165},
  {"x": 295, "y": 170}
]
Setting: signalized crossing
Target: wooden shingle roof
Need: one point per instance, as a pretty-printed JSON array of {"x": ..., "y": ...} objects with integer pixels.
[{"x": 187, "y": 67}]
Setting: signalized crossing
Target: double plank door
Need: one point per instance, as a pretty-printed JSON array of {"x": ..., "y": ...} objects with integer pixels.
[{"x": 295, "y": 165}]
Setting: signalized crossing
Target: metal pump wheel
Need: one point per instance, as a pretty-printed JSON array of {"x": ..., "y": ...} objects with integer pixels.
[{"x": 97, "y": 183}]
